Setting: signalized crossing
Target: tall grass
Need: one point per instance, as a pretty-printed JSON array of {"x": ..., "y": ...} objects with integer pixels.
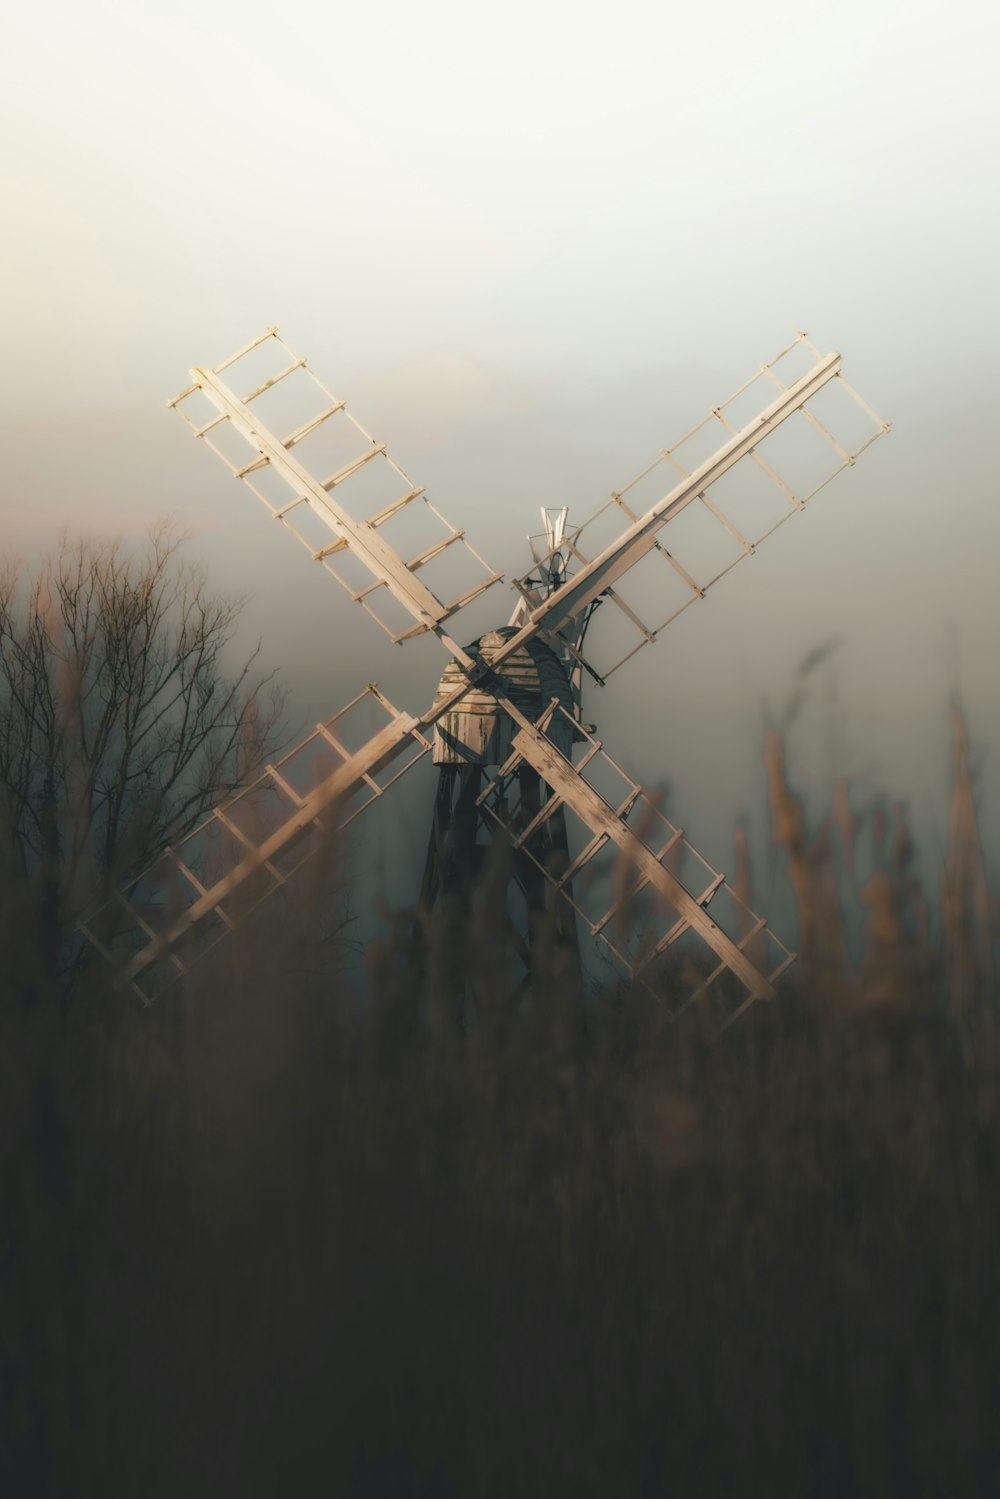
[{"x": 265, "y": 1238}]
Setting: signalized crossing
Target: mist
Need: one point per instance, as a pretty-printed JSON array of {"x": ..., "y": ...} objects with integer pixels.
[{"x": 531, "y": 252}]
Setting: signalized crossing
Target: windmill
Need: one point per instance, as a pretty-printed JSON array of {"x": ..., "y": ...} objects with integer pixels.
[{"x": 515, "y": 758}]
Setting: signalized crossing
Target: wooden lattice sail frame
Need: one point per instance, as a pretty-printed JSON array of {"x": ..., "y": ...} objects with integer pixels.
[{"x": 325, "y": 478}]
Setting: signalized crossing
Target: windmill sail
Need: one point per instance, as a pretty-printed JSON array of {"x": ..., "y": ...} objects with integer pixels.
[
  {"x": 701, "y": 507},
  {"x": 196, "y": 890},
  {"x": 335, "y": 488},
  {"x": 636, "y": 881},
  {"x": 378, "y": 535}
]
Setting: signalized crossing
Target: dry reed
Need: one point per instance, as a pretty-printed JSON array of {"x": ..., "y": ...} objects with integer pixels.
[{"x": 267, "y": 1238}]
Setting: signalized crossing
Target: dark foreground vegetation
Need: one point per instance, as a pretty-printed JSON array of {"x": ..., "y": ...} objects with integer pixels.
[{"x": 265, "y": 1238}]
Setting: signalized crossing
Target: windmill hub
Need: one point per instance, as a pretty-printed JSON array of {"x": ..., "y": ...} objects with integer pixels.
[{"x": 476, "y": 731}]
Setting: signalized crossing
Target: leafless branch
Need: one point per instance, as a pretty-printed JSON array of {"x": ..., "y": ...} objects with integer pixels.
[{"x": 121, "y": 719}]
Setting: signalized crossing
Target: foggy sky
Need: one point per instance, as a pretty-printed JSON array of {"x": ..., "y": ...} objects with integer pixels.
[{"x": 531, "y": 244}]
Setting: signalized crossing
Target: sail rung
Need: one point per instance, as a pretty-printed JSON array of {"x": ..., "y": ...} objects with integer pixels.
[
  {"x": 413, "y": 564},
  {"x": 433, "y": 551},
  {"x": 156, "y": 939},
  {"x": 474, "y": 592},
  {"x": 171, "y": 853},
  {"x": 190, "y": 875},
  {"x": 247, "y": 349},
  {"x": 723, "y": 519},
  {"x": 324, "y": 732},
  {"x": 381, "y": 516},
  {"x": 625, "y": 807},
  {"x": 261, "y": 461},
  {"x": 289, "y": 369},
  {"x": 586, "y": 854},
  {"x": 452, "y": 608},
  {"x": 680, "y": 570},
  {"x": 619, "y": 905},
  {"x": 410, "y": 634},
  {"x": 753, "y": 932},
  {"x": 644, "y": 880},
  {"x": 331, "y": 550},
  {"x": 704, "y": 899},
  {"x": 596, "y": 748},
  {"x": 369, "y": 588},
  {"x": 765, "y": 468},
  {"x": 248, "y": 843},
  {"x": 231, "y": 827},
  {"x": 682, "y": 924},
  {"x": 352, "y": 468},
  {"x": 283, "y": 786},
  {"x": 311, "y": 425},
  {"x": 786, "y": 962},
  {"x": 207, "y": 426},
  {"x": 552, "y": 804},
  {"x": 300, "y": 499},
  {"x": 630, "y": 614},
  {"x": 174, "y": 401}
]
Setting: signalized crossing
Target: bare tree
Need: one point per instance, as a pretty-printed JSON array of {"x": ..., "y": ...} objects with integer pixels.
[{"x": 120, "y": 725}]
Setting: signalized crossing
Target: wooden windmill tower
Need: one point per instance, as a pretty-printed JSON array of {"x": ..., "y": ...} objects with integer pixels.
[
  {"x": 514, "y": 756},
  {"x": 475, "y": 732}
]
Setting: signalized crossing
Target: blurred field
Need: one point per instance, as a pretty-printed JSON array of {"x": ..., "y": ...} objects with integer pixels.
[{"x": 264, "y": 1238}]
